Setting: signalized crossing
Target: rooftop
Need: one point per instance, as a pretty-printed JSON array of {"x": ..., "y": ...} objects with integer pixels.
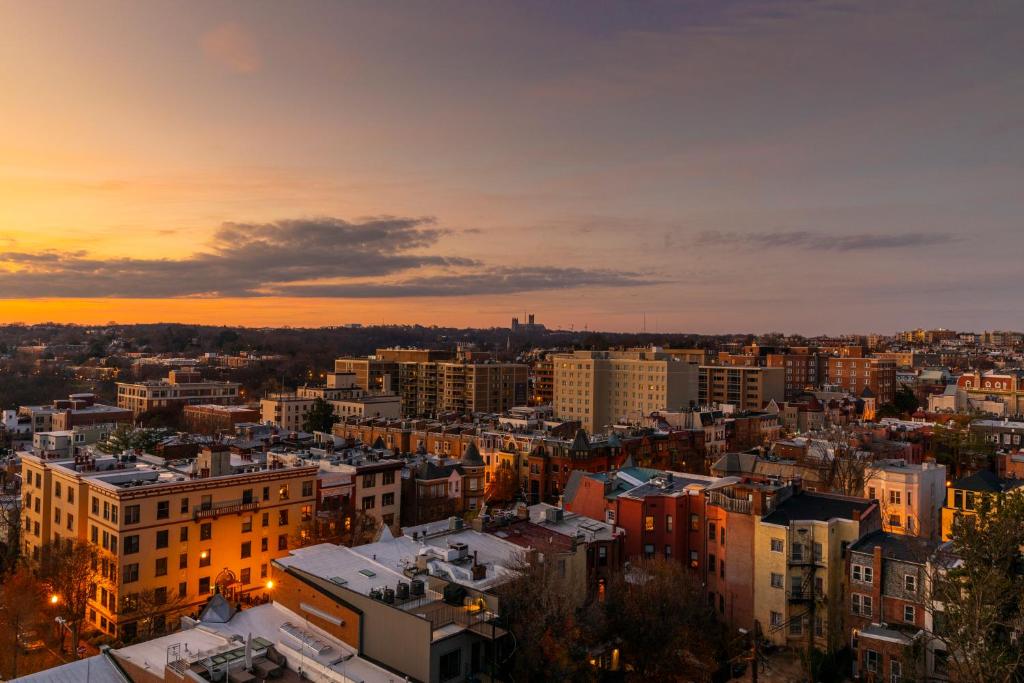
[
  {"x": 896, "y": 546},
  {"x": 819, "y": 507}
]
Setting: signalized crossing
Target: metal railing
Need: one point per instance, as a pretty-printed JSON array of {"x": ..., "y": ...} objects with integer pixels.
[{"x": 225, "y": 508}]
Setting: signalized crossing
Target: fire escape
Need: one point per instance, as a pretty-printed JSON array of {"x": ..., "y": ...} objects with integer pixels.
[{"x": 805, "y": 578}]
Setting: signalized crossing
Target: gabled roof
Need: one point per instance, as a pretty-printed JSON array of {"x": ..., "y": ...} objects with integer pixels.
[{"x": 581, "y": 442}]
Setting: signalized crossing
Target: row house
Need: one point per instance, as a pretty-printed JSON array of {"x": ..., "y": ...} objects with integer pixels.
[{"x": 888, "y": 610}]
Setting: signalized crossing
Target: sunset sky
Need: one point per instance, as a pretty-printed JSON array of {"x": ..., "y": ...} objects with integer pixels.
[{"x": 814, "y": 167}]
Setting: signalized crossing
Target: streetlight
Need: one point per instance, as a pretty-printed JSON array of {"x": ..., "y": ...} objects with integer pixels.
[
  {"x": 270, "y": 584},
  {"x": 54, "y": 599}
]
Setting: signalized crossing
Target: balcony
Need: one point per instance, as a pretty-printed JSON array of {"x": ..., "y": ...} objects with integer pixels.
[
  {"x": 730, "y": 504},
  {"x": 224, "y": 508}
]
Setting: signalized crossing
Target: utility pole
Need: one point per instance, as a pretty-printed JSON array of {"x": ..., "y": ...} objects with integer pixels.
[{"x": 755, "y": 642}]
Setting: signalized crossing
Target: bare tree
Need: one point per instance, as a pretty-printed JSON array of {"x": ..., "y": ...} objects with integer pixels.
[
  {"x": 21, "y": 601},
  {"x": 845, "y": 459},
  {"x": 150, "y": 608},
  {"x": 69, "y": 571}
]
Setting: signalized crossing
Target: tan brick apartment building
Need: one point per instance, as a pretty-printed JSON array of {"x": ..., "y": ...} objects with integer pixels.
[
  {"x": 429, "y": 384},
  {"x": 747, "y": 388},
  {"x": 180, "y": 388},
  {"x": 601, "y": 388},
  {"x": 168, "y": 534}
]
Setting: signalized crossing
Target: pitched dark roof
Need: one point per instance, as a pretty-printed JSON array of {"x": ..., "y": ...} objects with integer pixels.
[
  {"x": 581, "y": 442},
  {"x": 897, "y": 546},
  {"x": 813, "y": 506},
  {"x": 984, "y": 481},
  {"x": 867, "y": 393},
  {"x": 433, "y": 471}
]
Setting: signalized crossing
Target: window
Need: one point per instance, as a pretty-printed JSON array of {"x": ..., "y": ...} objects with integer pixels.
[
  {"x": 162, "y": 540},
  {"x": 131, "y": 573},
  {"x": 648, "y": 550},
  {"x": 182, "y": 589},
  {"x": 163, "y": 509},
  {"x": 798, "y": 552},
  {"x": 721, "y": 535},
  {"x": 649, "y": 523},
  {"x": 204, "y": 585},
  {"x": 307, "y": 487},
  {"x": 910, "y": 583},
  {"x": 861, "y": 604},
  {"x": 205, "y": 558},
  {"x": 694, "y": 559},
  {"x": 131, "y": 544},
  {"x": 668, "y": 552},
  {"x": 796, "y": 626},
  {"x": 908, "y": 614},
  {"x": 451, "y": 665},
  {"x": 958, "y": 499},
  {"x": 777, "y": 545},
  {"x": 777, "y": 580},
  {"x": 265, "y": 519},
  {"x": 282, "y": 517},
  {"x": 161, "y": 566},
  {"x": 247, "y": 524},
  {"x": 246, "y": 576},
  {"x": 894, "y": 497},
  {"x": 386, "y": 499},
  {"x": 861, "y": 573},
  {"x": 263, "y": 571},
  {"x": 711, "y": 531},
  {"x": 183, "y": 561},
  {"x": 369, "y": 502},
  {"x": 247, "y": 549},
  {"x": 776, "y": 619},
  {"x": 388, "y": 478},
  {"x": 282, "y": 542},
  {"x": 266, "y": 493},
  {"x": 369, "y": 481},
  {"x": 131, "y": 514},
  {"x": 871, "y": 659},
  {"x": 711, "y": 563},
  {"x": 895, "y": 671},
  {"x": 184, "y": 506},
  {"x": 205, "y": 531},
  {"x": 283, "y": 492},
  {"x": 264, "y": 544},
  {"x": 183, "y": 534},
  {"x": 694, "y": 523}
]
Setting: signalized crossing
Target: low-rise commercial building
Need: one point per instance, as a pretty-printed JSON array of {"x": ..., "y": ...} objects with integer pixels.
[{"x": 180, "y": 388}]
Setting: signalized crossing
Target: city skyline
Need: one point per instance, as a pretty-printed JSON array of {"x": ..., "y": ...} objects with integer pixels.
[{"x": 706, "y": 167}]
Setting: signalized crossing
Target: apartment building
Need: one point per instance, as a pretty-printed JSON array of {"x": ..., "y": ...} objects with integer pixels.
[
  {"x": 804, "y": 371},
  {"x": 288, "y": 409},
  {"x": 438, "y": 490},
  {"x": 65, "y": 443},
  {"x": 167, "y": 535},
  {"x": 77, "y": 410},
  {"x": 214, "y": 419},
  {"x": 780, "y": 556},
  {"x": 910, "y": 496},
  {"x": 800, "y": 549},
  {"x": 603, "y": 388},
  {"x": 747, "y": 388},
  {"x": 543, "y": 382},
  {"x": 179, "y": 388},
  {"x": 429, "y": 383},
  {"x": 855, "y": 374}
]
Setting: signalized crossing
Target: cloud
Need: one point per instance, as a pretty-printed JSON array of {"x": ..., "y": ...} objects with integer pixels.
[
  {"x": 821, "y": 241},
  {"x": 485, "y": 281},
  {"x": 233, "y": 48},
  {"x": 383, "y": 256}
]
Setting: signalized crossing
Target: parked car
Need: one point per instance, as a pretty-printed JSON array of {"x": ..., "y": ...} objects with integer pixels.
[{"x": 29, "y": 641}]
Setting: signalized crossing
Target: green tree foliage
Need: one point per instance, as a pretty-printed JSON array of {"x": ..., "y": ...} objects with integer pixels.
[
  {"x": 982, "y": 593},
  {"x": 128, "y": 438},
  {"x": 320, "y": 417}
]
